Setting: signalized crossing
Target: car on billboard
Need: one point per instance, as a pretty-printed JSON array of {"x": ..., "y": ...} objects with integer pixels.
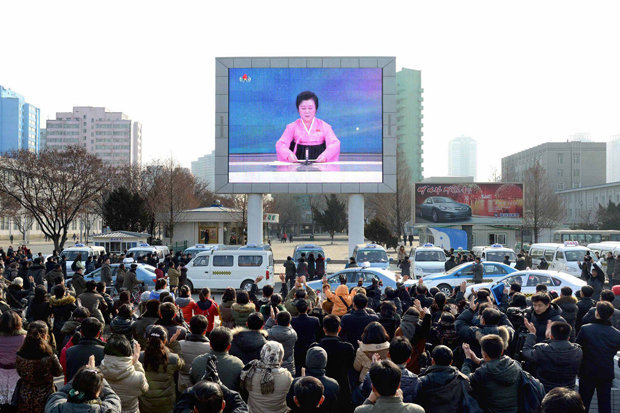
[{"x": 441, "y": 208}]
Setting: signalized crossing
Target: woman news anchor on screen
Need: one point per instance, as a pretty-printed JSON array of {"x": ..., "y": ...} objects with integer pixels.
[{"x": 308, "y": 138}]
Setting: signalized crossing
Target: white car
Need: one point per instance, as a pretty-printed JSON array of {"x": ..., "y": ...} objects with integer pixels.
[
  {"x": 447, "y": 281},
  {"x": 529, "y": 279},
  {"x": 427, "y": 259}
]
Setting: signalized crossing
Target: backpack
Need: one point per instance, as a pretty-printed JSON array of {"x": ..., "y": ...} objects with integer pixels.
[{"x": 531, "y": 393}]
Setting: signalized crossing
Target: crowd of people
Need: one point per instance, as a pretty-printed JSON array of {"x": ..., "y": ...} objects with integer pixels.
[{"x": 67, "y": 347}]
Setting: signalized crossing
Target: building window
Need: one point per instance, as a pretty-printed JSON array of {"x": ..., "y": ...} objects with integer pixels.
[
  {"x": 560, "y": 172},
  {"x": 576, "y": 157},
  {"x": 560, "y": 186},
  {"x": 575, "y": 172},
  {"x": 560, "y": 158}
]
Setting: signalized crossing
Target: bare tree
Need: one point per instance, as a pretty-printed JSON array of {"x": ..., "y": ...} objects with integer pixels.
[
  {"x": 23, "y": 222},
  {"x": 543, "y": 208},
  {"x": 53, "y": 186},
  {"x": 495, "y": 175},
  {"x": 288, "y": 208}
]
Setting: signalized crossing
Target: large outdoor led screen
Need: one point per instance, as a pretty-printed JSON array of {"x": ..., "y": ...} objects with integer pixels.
[
  {"x": 469, "y": 203},
  {"x": 305, "y": 125}
]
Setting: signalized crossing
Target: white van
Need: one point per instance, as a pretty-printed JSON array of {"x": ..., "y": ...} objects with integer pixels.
[
  {"x": 144, "y": 249},
  {"x": 219, "y": 269},
  {"x": 561, "y": 257},
  {"x": 496, "y": 253},
  {"x": 603, "y": 248},
  {"x": 84, "y": 251},
  {"x": 427, "y": 259}
]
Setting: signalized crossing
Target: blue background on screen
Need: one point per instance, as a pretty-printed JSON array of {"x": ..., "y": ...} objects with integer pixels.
[{"x": 260, "y": 109}]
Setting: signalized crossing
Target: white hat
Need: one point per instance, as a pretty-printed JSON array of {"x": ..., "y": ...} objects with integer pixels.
[{"x": 18, "y": 281}]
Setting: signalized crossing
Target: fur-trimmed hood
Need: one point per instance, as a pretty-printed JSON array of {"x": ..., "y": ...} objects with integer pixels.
[
  {"x": 565, "y": 300},
  {"x": 57, "y": 302},
  {"x": 501, "y": 331},
  {"x": 238, "y": 330}
]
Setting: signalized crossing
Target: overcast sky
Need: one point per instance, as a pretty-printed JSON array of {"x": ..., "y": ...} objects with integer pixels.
[{"x": 510, "y": 75}]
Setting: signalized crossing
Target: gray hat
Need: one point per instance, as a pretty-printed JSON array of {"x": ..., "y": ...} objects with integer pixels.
[{"x": 316, "y": 358}]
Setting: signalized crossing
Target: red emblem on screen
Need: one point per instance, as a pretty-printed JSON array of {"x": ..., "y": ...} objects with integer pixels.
[{"x": 245, "y": 78}]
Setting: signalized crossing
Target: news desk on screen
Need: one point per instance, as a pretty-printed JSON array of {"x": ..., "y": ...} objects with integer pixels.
[{"x": 350, "y": 168}]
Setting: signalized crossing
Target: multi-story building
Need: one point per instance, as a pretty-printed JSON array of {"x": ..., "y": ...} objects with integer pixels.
[
  {"x": 568, "y": 164},
  {"x": 42, "y": 139},
  {"x": 19, "y": 122},
  {"x": 409, "y": 120},
  {"x": 463, "y": 157},
  {"x": 111, "y": 136},
  {"x": 613, "y": 159},
  {"x": 204, "y": 169},
  {"x": 582, "y": 204}
]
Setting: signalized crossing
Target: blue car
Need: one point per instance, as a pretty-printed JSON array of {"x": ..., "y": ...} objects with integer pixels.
[
  {"x": 447, "y": 281},
  {"x": 144, "y": 273},
  {"x": 387, "y": 278}
]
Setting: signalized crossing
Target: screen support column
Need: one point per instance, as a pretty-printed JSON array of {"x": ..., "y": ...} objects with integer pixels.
[
  {"x": 356, "y": 221},
  {"x": 255, "y": 219}
]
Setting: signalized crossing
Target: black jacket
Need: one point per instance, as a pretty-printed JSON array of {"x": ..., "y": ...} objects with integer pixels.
[
  {"x": 583, "y": 306},
  {"x": 520, "y": 265},
  {"x": 495, "y": 384},
  {"x": 247, "y": 344},
  {"x": 553, "y": 313},
  {"x": 591, "y": 316},
  {"x": 569, "y": 308},
  {"x": 478, "y": 271},
  {"x": 441, "y": 389},
  {"x": 331, "y": 390},
  {"x": 37, "y": 271},
  {"x": 290, "y": 269},
  {"x": 449, "y": 264},
  {"x": 234, "y": 403},
  {"x": 557, "y": 361},
  {"x": 77, "y": 356},
  {"x": 341, "y": 355},
  {"x": 373, "y": 292},
  {"x": 353, "y": 324},
  {"x": 307, "y": 329},
  {"x": 425, "y": 301},
  {"x": 600, "y": 343}
]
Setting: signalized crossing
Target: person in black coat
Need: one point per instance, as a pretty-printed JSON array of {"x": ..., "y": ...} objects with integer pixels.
[
  {"x": 542, "y": 312},
  {"x": 340, "y": 359},
  {"x": 450, "y": 263},
  {"x": 568, "y": 304},
  {"x": 353, "y": 323},
  {"x": 478, "y": 271},
  {"x": 584, "y": 304},
  {"x": 90, "y": 344},
  {"x": 205, "y": 393},
  {"x": 316, "y": 361},
  {"x": 585, "y": 267},
  {"x": 373, "y": 292},
  {"x": 606, "y": 295},
  {"x": 600, "y": 342},
  {"x": 558, "y": 360},
  {"x": 421, "y": 294},
  {"x": 307, "y": 329},
  {"x": 311, "y": 266}
]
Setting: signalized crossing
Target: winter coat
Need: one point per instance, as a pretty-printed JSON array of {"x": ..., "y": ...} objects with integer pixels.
[
  {"x": 8, "y": 372},
  {"x": 289, "y": 301},
  {"x": 331, "y": 390},
  {"x": 616, "y": 274},
  {"x": 187, "y": 306},
  {"x": 139, "y": 328},
  {"x": 289, "y": 269},
  {"x": 495, "y": 384},
  {"x": 353, "y": 325},
  {"x": 37, "y": 271},
  {"x": 373, "y": 292},
  {"x": 107, "y": 402},
  {"x": 39, "y": 311},
  {"x": 95, "y": 303},
  {"x": 274, "y": 402},
  {"x": 478, "y": 271},
  {"x": 226, "y": 317},
  {"x": 160, "y": 397},
  {"x": 389, "y": 404},
  {"x": 120, "y": 279},
  {"x": 591, "y": 316},
  {"x": 363, "y": 356},
  {"x": 340, "y": 357},
  {"x": 79, "y": 284},
  {"x": 77, "y": 356},
  {"x": 234, "y": 402},
  {"x": 123, "y": 326},
  {"x": 553, "y": 313},
  {"x": 286, "y": 336},
  {"x": 37, "y": 381},
  {"x": 209, "y": 309},
  {"x": 320, "y": 267},
  {"x": 390, "y": 324},
  {"x": 130, "y": 281},
  {"x": 409, "y": 384},
  {"x": 228, "y": 368},
  {"x": 173, "y": 276},
  {"x": 342, "y": 299},
  {"x": 247, "y": 344},
  {"x": 106, "y": 274},
  {"x": 600, "y": 343},
  {"x": 52, "y": 277},
  {"x": 172, "y": 328},
  {"x": 307, "y": 329},
  {"x": 583, "y": 306},
  {"x": 193, "y": 346},
  {"x": 520, "y": 265},
  {"x": 441, "y": 389},
  {"x": 569, "y": 308},
  {"x": 557, "y": 361},
  {"x": 241, "y": 312},
  {"x": 14, "y": 295},
  {"x": 128, "y": 380}
]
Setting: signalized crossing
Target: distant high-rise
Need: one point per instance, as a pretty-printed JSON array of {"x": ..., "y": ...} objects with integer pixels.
[
  {"x": 613, "y": 159},
  {"x": 19, "y": 122},
  {"x": 42, "y": 139},
  {"x": 409, "y": 120},
  {"x": 204, "y": 169},
  {"x": 462, "y": 157},
  {"x": 111, "y": 136}
]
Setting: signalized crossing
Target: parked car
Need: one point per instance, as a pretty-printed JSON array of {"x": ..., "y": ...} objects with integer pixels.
[
  {"x": 453, "y": 278},
  {"x": 529, "y": 279},
  {"x": 386, "y": 277}
]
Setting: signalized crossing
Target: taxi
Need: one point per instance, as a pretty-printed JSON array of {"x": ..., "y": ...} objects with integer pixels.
[
  {"x": 427, "y": 259},
  {"x": 448, "y": 280},
  {"x": 497, "y": 253},
  {"x": 529, "y": 279},
  {"x": 373, "y": 254}
]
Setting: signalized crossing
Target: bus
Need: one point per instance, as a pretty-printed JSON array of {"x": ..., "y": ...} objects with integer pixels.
[{"x": 585, "y": 236}]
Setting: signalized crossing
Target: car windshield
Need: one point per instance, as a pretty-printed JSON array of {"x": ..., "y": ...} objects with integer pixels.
[
  {"x": 498, "y": 256},
  {"x": 315, "y": 253},
  {"x": 71, "y": 255},
  {"x": 437, "y": 256},
  {"x": 372, "y": 256},
  {"x": 442, "y": 200},
  {"x": 141, "y": 253},
  {"x": 575, "y": 255}
]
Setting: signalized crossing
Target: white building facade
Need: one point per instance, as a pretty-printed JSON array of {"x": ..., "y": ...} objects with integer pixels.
[
  {"x": 582, "y": 204},
  {"x": 204, "y": 169},
  {"x": 613, "y": 159},
  {"x": 463, "y": 157},
  {"x": 111, "y": 136}
]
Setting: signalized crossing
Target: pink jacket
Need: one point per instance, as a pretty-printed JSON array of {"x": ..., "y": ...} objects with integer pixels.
[{"x": 320, "y": 132}]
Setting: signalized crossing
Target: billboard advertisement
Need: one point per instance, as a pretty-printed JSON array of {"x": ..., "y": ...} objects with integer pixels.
[
  {"x": 310, "y": 125},
  {"x": 469, "y": 203}
]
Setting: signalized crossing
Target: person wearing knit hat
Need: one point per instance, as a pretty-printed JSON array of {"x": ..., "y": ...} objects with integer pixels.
[{"x": 316, "y": 361}]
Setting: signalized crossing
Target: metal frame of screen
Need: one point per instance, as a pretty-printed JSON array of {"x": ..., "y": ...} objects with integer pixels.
[{"x": 388, "y": 66}]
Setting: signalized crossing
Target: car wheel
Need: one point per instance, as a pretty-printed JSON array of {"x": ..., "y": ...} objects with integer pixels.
[
  {"x": 435, "y": 216},
  {"x": 246, "y": 285},
  {"x": 446, "y": 289},
  {"x": 190, "y": 285}
]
